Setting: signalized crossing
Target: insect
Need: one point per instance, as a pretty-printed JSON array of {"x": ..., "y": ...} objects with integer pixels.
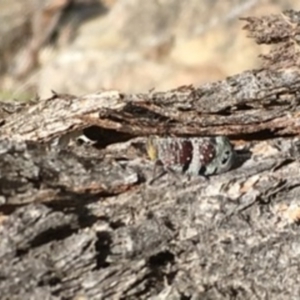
[{"x": 195, "y": 156}]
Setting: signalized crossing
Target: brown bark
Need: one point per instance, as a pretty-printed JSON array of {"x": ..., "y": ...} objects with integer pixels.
[{"x": 83, "y": 222}]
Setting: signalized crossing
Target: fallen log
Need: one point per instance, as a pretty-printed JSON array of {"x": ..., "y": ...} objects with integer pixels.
[{"x": 84, "y": 222}]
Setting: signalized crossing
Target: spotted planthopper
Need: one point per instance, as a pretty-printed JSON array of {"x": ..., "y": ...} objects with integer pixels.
[{"x": 195, "y": 156}]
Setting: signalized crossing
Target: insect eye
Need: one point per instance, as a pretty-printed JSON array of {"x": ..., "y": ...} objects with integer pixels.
[{"x": 225, "y": 159}]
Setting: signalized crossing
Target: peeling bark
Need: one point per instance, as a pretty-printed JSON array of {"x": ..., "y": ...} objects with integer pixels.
[{"x": 84, "y": 222}]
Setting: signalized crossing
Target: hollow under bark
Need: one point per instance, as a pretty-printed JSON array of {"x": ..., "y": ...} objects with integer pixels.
[{"x": 83, "y": 222}]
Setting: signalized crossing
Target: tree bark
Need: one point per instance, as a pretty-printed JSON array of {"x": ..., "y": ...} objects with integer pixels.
[{"x": 88, "y": 222}]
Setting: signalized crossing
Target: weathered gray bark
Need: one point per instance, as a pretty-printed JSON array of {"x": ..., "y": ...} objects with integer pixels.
[{"x": 80, "y": 222}]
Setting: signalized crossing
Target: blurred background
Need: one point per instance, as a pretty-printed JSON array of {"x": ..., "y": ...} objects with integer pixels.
[{"x": 84, "y": 46}]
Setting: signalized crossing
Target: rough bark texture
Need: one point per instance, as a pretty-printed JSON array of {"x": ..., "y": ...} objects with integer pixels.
[{"x": 84, "y": 222}]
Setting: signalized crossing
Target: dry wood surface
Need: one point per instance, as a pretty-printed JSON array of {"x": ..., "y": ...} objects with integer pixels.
[{"x": 82, "y": 221}]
